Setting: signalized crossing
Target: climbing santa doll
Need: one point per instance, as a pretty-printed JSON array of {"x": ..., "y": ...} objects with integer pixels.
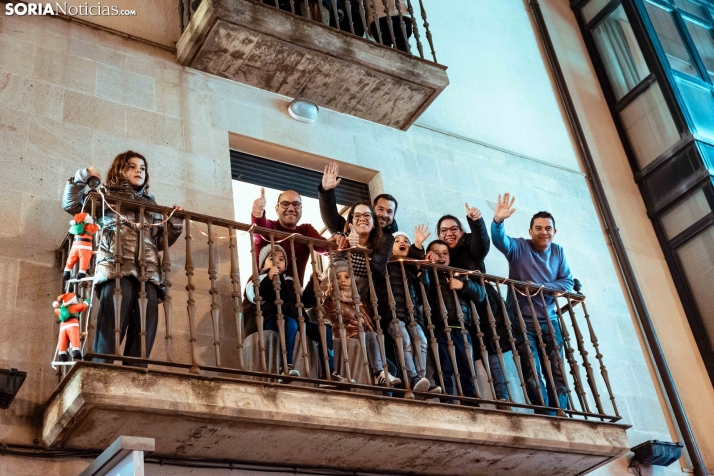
[
  {"x": 68, "y": 309},
  {"x": 82, "y": 227}
]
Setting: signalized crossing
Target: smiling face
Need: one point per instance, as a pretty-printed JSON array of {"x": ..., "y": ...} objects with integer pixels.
[
  {"x": 442, "y": 254},
  {"x": 385, "y": 212},
  {"x": 135, "y": 172},
  {"x": 289, "y": 209},
  {"x": 542, "y": 233},
  {"x": 450, "y": 232},
  {"x": 344, "y": 282},
  {"x": 400, "y": 249},
  {"x": 362, "y": 220}
]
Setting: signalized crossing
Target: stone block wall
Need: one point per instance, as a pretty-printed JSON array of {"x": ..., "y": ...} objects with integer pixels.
[{"x": 71, "y": 96}]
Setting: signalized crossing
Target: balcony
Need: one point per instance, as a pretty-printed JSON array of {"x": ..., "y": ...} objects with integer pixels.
[
  {"x": 210, "y": 392},
  {"x": 291, "y": 54}
]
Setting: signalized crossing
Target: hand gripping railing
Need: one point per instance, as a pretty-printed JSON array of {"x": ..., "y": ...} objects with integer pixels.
[{"x": 545, "y": 364}]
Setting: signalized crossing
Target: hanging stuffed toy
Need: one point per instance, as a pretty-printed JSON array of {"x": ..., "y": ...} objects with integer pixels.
[
  {"x": 83, "y": 227},
  {"x": 68, "y": 309}
]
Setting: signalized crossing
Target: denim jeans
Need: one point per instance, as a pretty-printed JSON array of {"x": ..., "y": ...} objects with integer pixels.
[
  {"x": 546, "y": 390},
  {"x": 498, "y": 376},
  {"x": 410, "y": 359},
  {"x": 312, "y": 331},
  {"x": 129, "y": 318},
  {"x": 462, "y": 362}
]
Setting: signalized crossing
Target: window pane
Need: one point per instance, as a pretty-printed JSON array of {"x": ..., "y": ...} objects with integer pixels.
[
  {"x": 592, "y": 8},
  {"x": 620, "y": 52},
  {"x": 649, "y": 125},
  {"x": 685, "y": 214},
  {"x": 690, "y": 7},
  {"x": 704, "y": 42},
  {"x": 700, "y": 104},
  {"x": 697, "y": 259},
  {"x": 677, "y": 54}
]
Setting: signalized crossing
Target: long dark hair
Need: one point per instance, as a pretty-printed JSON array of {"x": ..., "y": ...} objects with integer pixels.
[
  {"x": 375, "y": 236},
  {"x": 120, "y": 164}
]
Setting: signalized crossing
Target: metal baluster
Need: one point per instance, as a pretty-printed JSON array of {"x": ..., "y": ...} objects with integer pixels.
[
  {"x": 531, "y": 359},
  {"x": 337, "y": 18},
  {"x": 376, "y": 21},
  {"x": 168, "y": 304},
  {"x": 428, "y": 32},
  {"x": 91, "y": 270},
  {"x": 306, "y": 10},
  {"x": 357, "y": 299},
  {"x": 279, "y": 306},
  {"x": 348, "y": 4},
  {"x": 545, "y": 357},
  {"x": 598, "y": 356},
  {"x": 191, "y": 304},
  {"x": 143, "y": 301},
  {"x": 496, "y": 338},
  {"x": 584, "y": 354},
  {"x": 574, "y": 369},
  {"x": 215, "y": 308},
  {"x": 117, "y": 280},
  {"x": 377, "y": 322},
  {"x": 512, "y": 341},
  {"x": 464, "y": 335},
  {"x": 389, "y": 22},
  {"x": 397, "y": 335},
  {"x": 559, "y": 360},
  {"x": 433, "y": 344},
  {"x": 236, "y": 294},
  {"x": 257, "y": 299},
  {"x": 482, "y": 348},
  {"x": 412, "y": 322},
  {"x": 292, "y": 6},
  {"x": 415, "y": 28},
  {"x": 297, "y": 286},
  {"x": 319, "y": 308},
  {"x": 398, "y": 5},
  {"x": 181, "y": 14},
  {"x": 447, "y": 331},
  {"x": 363, "y": 16}
]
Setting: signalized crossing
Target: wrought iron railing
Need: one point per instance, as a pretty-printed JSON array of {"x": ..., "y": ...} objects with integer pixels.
[
  {"x": 392, "y": 23},
  {"x": 586, "y": 376}
]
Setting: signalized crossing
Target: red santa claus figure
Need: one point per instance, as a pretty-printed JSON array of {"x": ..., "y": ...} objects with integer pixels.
[
  {"x": 68, "y": 309},
  {"x": 83, "y": 227}
]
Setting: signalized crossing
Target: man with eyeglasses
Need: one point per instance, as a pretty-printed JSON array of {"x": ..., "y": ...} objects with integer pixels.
[
  {"x": 289, "y": 211},
  {"x": 385, "y": 207}
]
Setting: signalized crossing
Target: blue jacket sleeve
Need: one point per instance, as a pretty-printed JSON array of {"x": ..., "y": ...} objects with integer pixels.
[
  {"x": 501, "y": 241},
  {"x": 564, "y": 281}
]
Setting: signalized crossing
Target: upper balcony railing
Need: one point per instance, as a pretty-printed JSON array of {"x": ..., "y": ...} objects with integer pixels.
[
  {"x": 392, "y": 23},
  {"x": 577, "y": 358}
]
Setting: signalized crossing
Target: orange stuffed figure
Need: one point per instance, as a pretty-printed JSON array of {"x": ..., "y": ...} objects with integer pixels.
[
  {"x": 83, "y": 227},
  {"x": 68, "y": 309}
]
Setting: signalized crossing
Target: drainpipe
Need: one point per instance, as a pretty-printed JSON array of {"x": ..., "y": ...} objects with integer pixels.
[{"x": 613, "y": 232}]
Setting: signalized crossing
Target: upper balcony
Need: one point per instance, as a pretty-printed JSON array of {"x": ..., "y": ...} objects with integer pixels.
[
  {"x": 319, "y": 50},
  {"x": 210, "y": 391}
]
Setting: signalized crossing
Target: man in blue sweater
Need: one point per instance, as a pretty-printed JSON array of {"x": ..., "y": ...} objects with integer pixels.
[{"x": 542, "y": 262}]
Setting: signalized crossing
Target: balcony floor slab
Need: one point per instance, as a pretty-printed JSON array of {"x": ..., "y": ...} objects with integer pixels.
[{"x": 255, "y": 422}]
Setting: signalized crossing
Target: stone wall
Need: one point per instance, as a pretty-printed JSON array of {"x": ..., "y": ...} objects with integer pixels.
[{"x": 71, "y": 97}]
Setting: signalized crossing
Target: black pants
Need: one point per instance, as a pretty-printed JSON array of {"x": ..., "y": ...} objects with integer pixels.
[
  {"x": 402, "y": 43},
  {"x": 462, "y": 361},
  {"x": 130, "y": 323}
]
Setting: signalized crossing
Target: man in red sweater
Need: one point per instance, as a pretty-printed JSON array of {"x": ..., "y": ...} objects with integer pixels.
[{"x": 289, "y": 211}]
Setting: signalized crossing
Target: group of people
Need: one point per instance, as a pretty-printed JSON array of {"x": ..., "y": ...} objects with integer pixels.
[{"x": 374, "y": 281}]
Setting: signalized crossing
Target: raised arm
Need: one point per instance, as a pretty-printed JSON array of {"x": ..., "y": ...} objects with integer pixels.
[
  {"x": 480, "y": 243},
  {"x": 328, "y": 202},
  {"x": 504, "y": 209}
]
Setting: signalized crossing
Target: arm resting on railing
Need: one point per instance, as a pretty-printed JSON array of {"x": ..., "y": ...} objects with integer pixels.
[
  {"x": 472, "y": 291},
  {"x": 565, "y": 278}
]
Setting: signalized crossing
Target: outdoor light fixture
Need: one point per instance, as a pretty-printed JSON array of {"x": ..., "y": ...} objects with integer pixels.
[
  {"x": 303, "y": 110},
  {"x": 10, "y": 382},
  {"x": 656, "y": 453}
]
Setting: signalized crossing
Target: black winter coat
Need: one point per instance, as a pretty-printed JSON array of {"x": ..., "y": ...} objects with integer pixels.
[
  {"x": 471, "y": 292},
  {"x": 396, "y": 281},
  {"x": 472, "y": 248},
  {"x": 267, "y": 303}
]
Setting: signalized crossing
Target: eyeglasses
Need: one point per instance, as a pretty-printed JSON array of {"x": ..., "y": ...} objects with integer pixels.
[
  {"x": 286, "y": 205},
  {"x": 454, "y": 230},
  {"x": 359, "y": 216}
]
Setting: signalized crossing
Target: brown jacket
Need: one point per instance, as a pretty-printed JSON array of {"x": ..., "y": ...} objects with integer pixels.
[
  {"x": 349, "y": 317},
  {"x": 73, "y": 200}
]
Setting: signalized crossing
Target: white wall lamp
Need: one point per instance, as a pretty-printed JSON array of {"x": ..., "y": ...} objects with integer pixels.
[{"x": 303, "y": 110}]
